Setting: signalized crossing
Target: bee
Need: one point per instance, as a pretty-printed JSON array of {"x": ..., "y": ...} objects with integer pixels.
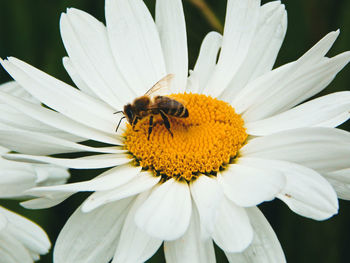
[{"x": 151, "y": 105}]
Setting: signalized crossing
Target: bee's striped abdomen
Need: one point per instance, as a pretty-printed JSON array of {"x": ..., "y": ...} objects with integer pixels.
[
  {"x": 183, "y": 113},
  {"x": 171, "y": 107}
]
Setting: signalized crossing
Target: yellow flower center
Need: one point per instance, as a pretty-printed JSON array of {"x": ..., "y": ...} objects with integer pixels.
[{"x": 203, "y": 143}]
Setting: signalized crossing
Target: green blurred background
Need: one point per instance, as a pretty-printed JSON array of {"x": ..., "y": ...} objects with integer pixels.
[{"x": 30, "y": 31}]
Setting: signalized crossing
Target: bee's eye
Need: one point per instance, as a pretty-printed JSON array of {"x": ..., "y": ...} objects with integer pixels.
[{"x": 128, "y": 112}]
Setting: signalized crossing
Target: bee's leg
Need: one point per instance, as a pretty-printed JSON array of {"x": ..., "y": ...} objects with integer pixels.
[
  {"x": 134, "y": 122},
  {"x": 166, "y": 122},
  {"x": 150, "y": 127},
  {"x": 119, "y": 123}
]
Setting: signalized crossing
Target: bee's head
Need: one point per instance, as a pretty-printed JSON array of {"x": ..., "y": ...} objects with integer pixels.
[{"x": 128, "y": 113}]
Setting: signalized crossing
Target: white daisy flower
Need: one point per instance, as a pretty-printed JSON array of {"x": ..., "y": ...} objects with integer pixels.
[
  {"x": 21, "y": 240},
  {"x": 244, "y": 142}
]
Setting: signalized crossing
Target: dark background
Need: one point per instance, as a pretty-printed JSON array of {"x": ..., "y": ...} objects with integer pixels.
[{"x": 29, "y": 30}]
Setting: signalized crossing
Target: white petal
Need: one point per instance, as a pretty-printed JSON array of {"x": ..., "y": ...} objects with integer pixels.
[
  {"x": 301, "y": 87},
  {"x": 207, "y": 194},
  {"x": 233, "y": 232},
  {"x": 58, "y": 120},
  {"x": 87, "y": 44},
  {"x": 47, "y": 174},
  {"x": 135, "y": 43},
  {"x": 61, "y": 97},
  {"x": 35, "y": 256},
  {"x": 142, "y": 182},
  {"x": 311, "y": 197},
  {"x": 321, "y": 149},
  {"x": 3, "y": 221},
  {"x": 12, "y": 251},
  {"x": 3, "y": 150},
  {"x": 42, "y": 144},
  {"x": 193, "y": 85},
  {"x": 342, "y": 189},
  {"x": 94, "y": 236},
  {"x": 265, "y": 247},
  {"x": 246, "y": 185},
  {"x": 206, "y": 61},
  {"x": 268, "y": 13},
  {"x": 327, "y": 111},
  {"x": 14, "y": 182},
  {"x": 13, "y": 88},
  {"x": 110, "y": 179},
  {"x": 339, "y": 175},
  {"x": 27, "y": 232},
  {"x": 171, "y": 26},
  {"x": 142, "y": 245},
  {"x": 240, "y": 24},
  {"x": 46, "y": 201},
  {"x": 274, "y": 82},
  {"x": 76, "y": 78},
  {"x": 340, "y": 181},
  {"x": 306, "y": 192},
  {"x": 9, "y": 165},
  {"x": 90, "y": 162},
  {"x": 190, "y": 247},
  {"x": 263, "y": 50},
  {"x": 166, "y": 213},
  {"x": 13, "y": 118}
]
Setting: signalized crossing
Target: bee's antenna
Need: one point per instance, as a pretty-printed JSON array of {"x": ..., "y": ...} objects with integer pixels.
[
  {"x": 119, "y": 123},
  {"x": 120, "y": 111}
]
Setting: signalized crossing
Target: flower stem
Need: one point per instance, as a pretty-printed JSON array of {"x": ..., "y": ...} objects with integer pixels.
[{"x": 208, "y": 14}]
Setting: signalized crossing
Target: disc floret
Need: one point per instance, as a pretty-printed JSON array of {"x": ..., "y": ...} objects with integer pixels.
[{"x": 203, "y": 143}]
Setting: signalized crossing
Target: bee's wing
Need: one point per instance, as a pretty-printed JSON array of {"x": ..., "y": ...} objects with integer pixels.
[{"x": 162, "y": 87}]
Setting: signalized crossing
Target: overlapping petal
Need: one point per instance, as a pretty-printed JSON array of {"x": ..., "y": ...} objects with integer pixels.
[
  {"x": 41, "y": 144},
  {"x": 171, "y": 26},
  {"x": 140, "y": 183},
  {"x": 26, "y": 232},
  {"x": 108, "y": 180},
  {"x": 246, "y": 186},
  {"x": 135, "y": 43},
  {"x": 265, "y": 247},
  {"x": 327, "y": 111},
  {"x": 340, "y": 181},
  {"x": 240, "y": 24},
  {"x": 306, "y": 192},
  {"x": 321, "y": 149},
  {"x": 88, "y": 47},
  {"x": 207, "y": 195},
  {"x": 167, "y": 211},
  {"x": 12, "y": 251},
  {"x": 191, "y": 247},
  {"x": 234, "y": 220},
  {"x": 290, "y": 84},
  {"x": 93, "y": 235},
  {"x": 89, "y": 162},
  {"x": 61, "y": 97},
  {"x": 57, "y": 120},
  {"x": 142, "y": 245},
  {"x": 206, "y": 60},
  {"x": 21, "y": 239},
  {"x": 263, "y": 50}
]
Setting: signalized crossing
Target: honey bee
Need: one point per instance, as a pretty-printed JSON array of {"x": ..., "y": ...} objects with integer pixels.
[{"x": 151, "y": 104}]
